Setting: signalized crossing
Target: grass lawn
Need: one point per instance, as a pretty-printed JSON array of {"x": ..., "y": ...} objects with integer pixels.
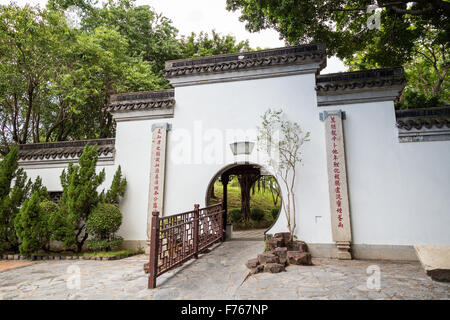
[{"x": 261, "y": 199}]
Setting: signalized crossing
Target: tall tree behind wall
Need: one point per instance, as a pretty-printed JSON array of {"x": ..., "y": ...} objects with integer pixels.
[{"x": 410, "y": 33}]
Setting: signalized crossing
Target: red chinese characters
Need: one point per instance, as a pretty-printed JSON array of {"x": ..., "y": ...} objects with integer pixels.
[
  {"x": 336, "y": 170},
  {"x": 156, "y": 167}
]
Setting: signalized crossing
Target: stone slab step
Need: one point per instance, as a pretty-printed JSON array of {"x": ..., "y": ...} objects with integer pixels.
[{"x": 435, "y": 260}]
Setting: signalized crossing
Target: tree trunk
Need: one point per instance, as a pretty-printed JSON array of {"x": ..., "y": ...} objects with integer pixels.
[{"x": 246, "y": 182}]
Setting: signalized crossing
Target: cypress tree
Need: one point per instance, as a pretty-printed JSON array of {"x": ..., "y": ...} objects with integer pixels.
[
  {"x": 31, "y": 224},
  {"x": 117, "y": 189},
  {"x": 11, "y": 199},
  {"x": 80, "y": 196}
]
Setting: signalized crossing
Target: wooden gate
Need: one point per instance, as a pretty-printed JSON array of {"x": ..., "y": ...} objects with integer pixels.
[{"x": 180, "y": 237}]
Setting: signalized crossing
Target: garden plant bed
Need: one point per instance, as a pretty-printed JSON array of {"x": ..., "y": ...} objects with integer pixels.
[{"x": 113, "y": 255}]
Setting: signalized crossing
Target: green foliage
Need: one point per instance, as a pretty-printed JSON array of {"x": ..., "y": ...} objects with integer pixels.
[
  {"x": 11, "y": 199},
  {"x": 275, "y": 212},
  {"x": 80, "y": 196},
  {"x": 202, "y": 45},
  {"x": 31, "y": 224},
  {"x": 235, "y": 215},
  {"x": 104, "y": 220},
  {"x": 117, "y": 189},
  {"x": 412, "y": 99},
  {"x": 411, "y": 33},
  {"x": 96, "y": 244},
  {"x": 32, "y": 43},
  {"x": 103, "y": 223},
  {"x": 55, "y": 79},
  {"x": 257, "y": 214}
]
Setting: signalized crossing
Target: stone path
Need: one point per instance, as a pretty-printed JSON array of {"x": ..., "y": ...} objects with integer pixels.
[
  {"x": 7, "y": 265},
  {"x": 219, "y": 274}
]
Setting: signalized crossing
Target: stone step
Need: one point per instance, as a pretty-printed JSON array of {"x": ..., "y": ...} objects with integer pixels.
[{"x": 435, "y": 260}]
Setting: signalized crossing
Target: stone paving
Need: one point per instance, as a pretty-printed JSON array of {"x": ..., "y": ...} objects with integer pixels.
[{"x": 220, "y": 274}]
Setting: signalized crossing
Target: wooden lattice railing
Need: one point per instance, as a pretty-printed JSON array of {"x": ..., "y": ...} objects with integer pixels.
[{"x": 180, "y": 237}]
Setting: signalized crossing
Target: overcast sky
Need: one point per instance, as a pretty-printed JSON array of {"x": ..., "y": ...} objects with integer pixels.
[{"x": 205, "y": 15}]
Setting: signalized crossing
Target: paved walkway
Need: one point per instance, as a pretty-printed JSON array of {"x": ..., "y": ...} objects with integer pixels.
[{"x": 219, "y": 274}]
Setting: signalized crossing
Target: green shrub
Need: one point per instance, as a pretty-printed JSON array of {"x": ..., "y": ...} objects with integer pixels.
[
  {"x": 12, "y": 195},
  {"x": 236, "y": 215},
  {"x": 275, "y": 212},
  {"x": 104, "y": 244},
  {"x": 31, "y": 224},
  {"x": 103, "y": 223},
  {"x": 257, "y": 214}
]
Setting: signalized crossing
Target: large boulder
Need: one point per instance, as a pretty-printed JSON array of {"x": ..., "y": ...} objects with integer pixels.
[
  {"x": 274, "y": 267},
  {"x": 299, "y": 258},
  {"x": 267, "y": 257}
]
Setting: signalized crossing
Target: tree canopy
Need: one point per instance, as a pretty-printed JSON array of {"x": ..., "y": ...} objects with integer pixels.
[
  {"x": 410, "y": 33},
  {"x": 56, "y": 77}
]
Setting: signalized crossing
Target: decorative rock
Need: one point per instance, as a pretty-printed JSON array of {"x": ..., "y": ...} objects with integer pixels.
[
  {"x": 257, "y": 269},
  {"x": 274, "y": 268},
  {"x": 281, "y": 253},
  {"x": 284, "y": 237},
  {"x": 297, "y": 245},
  {"x": 16, "y": 257},
  {"x": 299, "y": 258},
  {"x": 252, "y": 263},
  {"x": 265, "y": 258},
  {"x": 274, "y": 243},
  {"x": 10, "y": 257}
]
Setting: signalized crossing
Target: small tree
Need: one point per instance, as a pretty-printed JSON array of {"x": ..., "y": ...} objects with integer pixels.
[
  {"x": 11, "y": 199},
  {"x": 31, "y": 224},
  {"x": 287, "y": 139},
  {"x": 79, "y": 197}
]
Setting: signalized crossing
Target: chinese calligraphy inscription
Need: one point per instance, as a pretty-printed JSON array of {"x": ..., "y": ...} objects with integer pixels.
[
  {"x": 157, "y": 171},
  {"x": 337, "y": 180}
]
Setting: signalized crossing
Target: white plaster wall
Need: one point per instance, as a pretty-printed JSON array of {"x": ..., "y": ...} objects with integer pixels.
[
  {"x": 399, "y": 192},
  {"x": 239, "y": 105},
  {"x": 51, "y": 176},
  {"x": 133, "y": 149}
]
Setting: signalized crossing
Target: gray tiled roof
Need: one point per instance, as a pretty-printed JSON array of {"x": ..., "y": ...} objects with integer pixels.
[
  {"x": 247, "y": 60},
  {"x": 63, "y": 149},
  {"x": 427, "y": 117},
  {"x": 139, "y": 101},
  {"x": 335, "y": 83}
]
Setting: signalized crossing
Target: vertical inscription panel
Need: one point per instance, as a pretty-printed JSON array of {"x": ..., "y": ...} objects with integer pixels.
[
  {"x": 337, "y": 180},
  {"x": 157, "y": 173}
]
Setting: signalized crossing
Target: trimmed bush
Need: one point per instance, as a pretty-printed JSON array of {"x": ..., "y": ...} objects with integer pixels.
[
  {"x": 257, "y": 214},
  {"x": 103, "y": 223},
  {"x": 236, "y": 215}
]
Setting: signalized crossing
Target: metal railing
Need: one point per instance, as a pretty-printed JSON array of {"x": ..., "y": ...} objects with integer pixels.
[{"x": 180, "y": 237}]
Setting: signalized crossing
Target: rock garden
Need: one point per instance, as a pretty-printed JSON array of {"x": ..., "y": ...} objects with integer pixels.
[{"x": 280, "y": 252}]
